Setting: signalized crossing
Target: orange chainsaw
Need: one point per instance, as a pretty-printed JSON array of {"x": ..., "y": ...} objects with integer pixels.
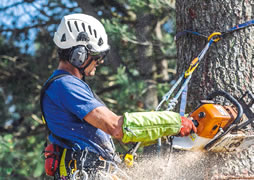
[{"x": 220, "y": 127}]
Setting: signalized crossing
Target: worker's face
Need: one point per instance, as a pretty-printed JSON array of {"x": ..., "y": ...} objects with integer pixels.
[{"x": 90, "y": 70}]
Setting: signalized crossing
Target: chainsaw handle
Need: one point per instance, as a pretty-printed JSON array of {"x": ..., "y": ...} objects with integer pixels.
[{"x": 232, "y": 100}]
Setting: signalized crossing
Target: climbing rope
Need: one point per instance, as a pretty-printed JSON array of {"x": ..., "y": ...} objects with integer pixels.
[
  {"x": 186, "y": 76},
  {"x": 223, "y": 33}
]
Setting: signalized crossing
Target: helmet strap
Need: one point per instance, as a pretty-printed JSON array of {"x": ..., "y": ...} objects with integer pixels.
[{"x": 82, "y": 70}]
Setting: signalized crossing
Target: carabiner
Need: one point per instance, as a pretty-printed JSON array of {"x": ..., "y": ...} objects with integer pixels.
[
  {"x": 72, "y": 170},
  {"x": 215, "y": 34},
  {"x": 193, "y": 66}
]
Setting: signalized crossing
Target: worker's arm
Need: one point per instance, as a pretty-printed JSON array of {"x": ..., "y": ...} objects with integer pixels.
[
  {"x": 106, "y": 120},
  {"x": 140, "y": 126}
]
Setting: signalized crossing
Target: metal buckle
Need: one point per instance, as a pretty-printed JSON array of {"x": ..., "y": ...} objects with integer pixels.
[{"x": 103, "y": 166}]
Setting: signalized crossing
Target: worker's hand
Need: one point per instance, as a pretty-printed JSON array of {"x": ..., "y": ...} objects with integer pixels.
[{"x": 187, "y": 127}]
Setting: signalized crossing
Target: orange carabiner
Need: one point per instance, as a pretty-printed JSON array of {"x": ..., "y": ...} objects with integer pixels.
[
  {"x": 192, "y": 67},
  {"x": 215, "y": 34}
]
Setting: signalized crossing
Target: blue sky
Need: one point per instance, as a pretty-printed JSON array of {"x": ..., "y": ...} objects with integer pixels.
[
  {"x": 21, "y": 14},
  {"x": 26, "y": 14}
]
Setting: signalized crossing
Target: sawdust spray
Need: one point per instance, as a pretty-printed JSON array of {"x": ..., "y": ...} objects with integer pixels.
[
  {"x": 188, "y": 165},
  {"x": 180, "y": 165}
]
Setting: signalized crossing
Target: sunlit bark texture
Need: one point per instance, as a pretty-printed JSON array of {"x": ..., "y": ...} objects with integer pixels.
[{"x": 228, "y": 64}]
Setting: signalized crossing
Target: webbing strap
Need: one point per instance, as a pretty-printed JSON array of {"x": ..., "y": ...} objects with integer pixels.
[
  {"x": 184, "y": 32},
  {"x": 62, "y": 167},
  {"x": 235, "y": 28},
  {"x": 168, "y": 94},
  {"x": 174, "y": 100},
  {"x": 183, "y": 101},
  {"x": 43, "y": 90},
  {"x": 240, "y": 26},
  {"x": 214, "y": 37}
]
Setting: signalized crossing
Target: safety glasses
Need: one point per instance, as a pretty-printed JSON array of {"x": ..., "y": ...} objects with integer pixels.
[{"x": 99, "y": 56}]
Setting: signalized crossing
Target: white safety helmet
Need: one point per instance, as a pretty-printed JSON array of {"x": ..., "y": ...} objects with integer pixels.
[{"x": 81, "y": 29}]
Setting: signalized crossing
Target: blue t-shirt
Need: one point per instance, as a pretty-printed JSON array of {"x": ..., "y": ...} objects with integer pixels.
[{"x": 66, "y": 102}]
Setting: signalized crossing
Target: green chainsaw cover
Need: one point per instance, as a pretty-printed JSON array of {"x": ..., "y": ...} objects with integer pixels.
[{"x": 149, "y": 126}]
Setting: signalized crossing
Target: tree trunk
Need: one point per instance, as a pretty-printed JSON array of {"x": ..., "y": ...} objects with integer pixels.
[
  {"x": 228, "y": 64},
  {"x": 146, "y": 65}
]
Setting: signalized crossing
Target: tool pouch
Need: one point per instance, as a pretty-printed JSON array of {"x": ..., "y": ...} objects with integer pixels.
[{"x": 52, "y": 156}]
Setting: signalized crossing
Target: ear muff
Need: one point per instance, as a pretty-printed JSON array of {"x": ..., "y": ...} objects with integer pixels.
[{"x": 78, "y": 56}]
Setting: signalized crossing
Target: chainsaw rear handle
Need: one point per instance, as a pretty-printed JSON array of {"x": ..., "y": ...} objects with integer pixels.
[{"x": 232, "y": 100}]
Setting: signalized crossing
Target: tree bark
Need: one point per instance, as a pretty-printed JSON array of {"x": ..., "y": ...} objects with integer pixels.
[{"x": 228, "y": 64}]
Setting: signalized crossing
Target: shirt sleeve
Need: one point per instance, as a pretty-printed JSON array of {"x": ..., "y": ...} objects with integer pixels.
[{"x": 76, "y": 96}]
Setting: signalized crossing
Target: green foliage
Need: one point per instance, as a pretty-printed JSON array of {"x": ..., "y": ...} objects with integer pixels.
[
  {"x": 6, "y": 148},
  {"x": 19, "y": 95},
  {"x": 128, "y": 97},
  {"x": 117, "y": 30},
  {"x": 151, "y": 6},
  {"x": 18, "y": 160}
]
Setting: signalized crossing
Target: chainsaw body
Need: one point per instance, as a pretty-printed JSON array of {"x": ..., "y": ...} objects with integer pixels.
[
  {"x": 211, "y": 117},
  {"x": 215, "y": 124}
]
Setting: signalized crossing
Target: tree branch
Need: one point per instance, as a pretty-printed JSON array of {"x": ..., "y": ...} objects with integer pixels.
[
  {"x": 11, "y": 6},
  {"x": 26, "y": 28},
  {"x": 111, "y": 88},
  {"x": 20, "y": 67},
  {"x": 118, "y": 6}
]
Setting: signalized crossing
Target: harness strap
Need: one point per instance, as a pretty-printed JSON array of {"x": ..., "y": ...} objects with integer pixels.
[
  {"x": 84, "y": 162},
  {"x": 43, "y": 90},
  {"x": 183, "y": 101},
  {"x": 62, "y": 167}
]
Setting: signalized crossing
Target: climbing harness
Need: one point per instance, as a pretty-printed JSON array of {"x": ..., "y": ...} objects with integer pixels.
[
  {"x": 74, "y": 163},
  {"x": 86, "y": 165}
]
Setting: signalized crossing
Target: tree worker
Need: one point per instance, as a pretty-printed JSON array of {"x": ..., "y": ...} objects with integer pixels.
[{"x": 77, "y": 119}]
